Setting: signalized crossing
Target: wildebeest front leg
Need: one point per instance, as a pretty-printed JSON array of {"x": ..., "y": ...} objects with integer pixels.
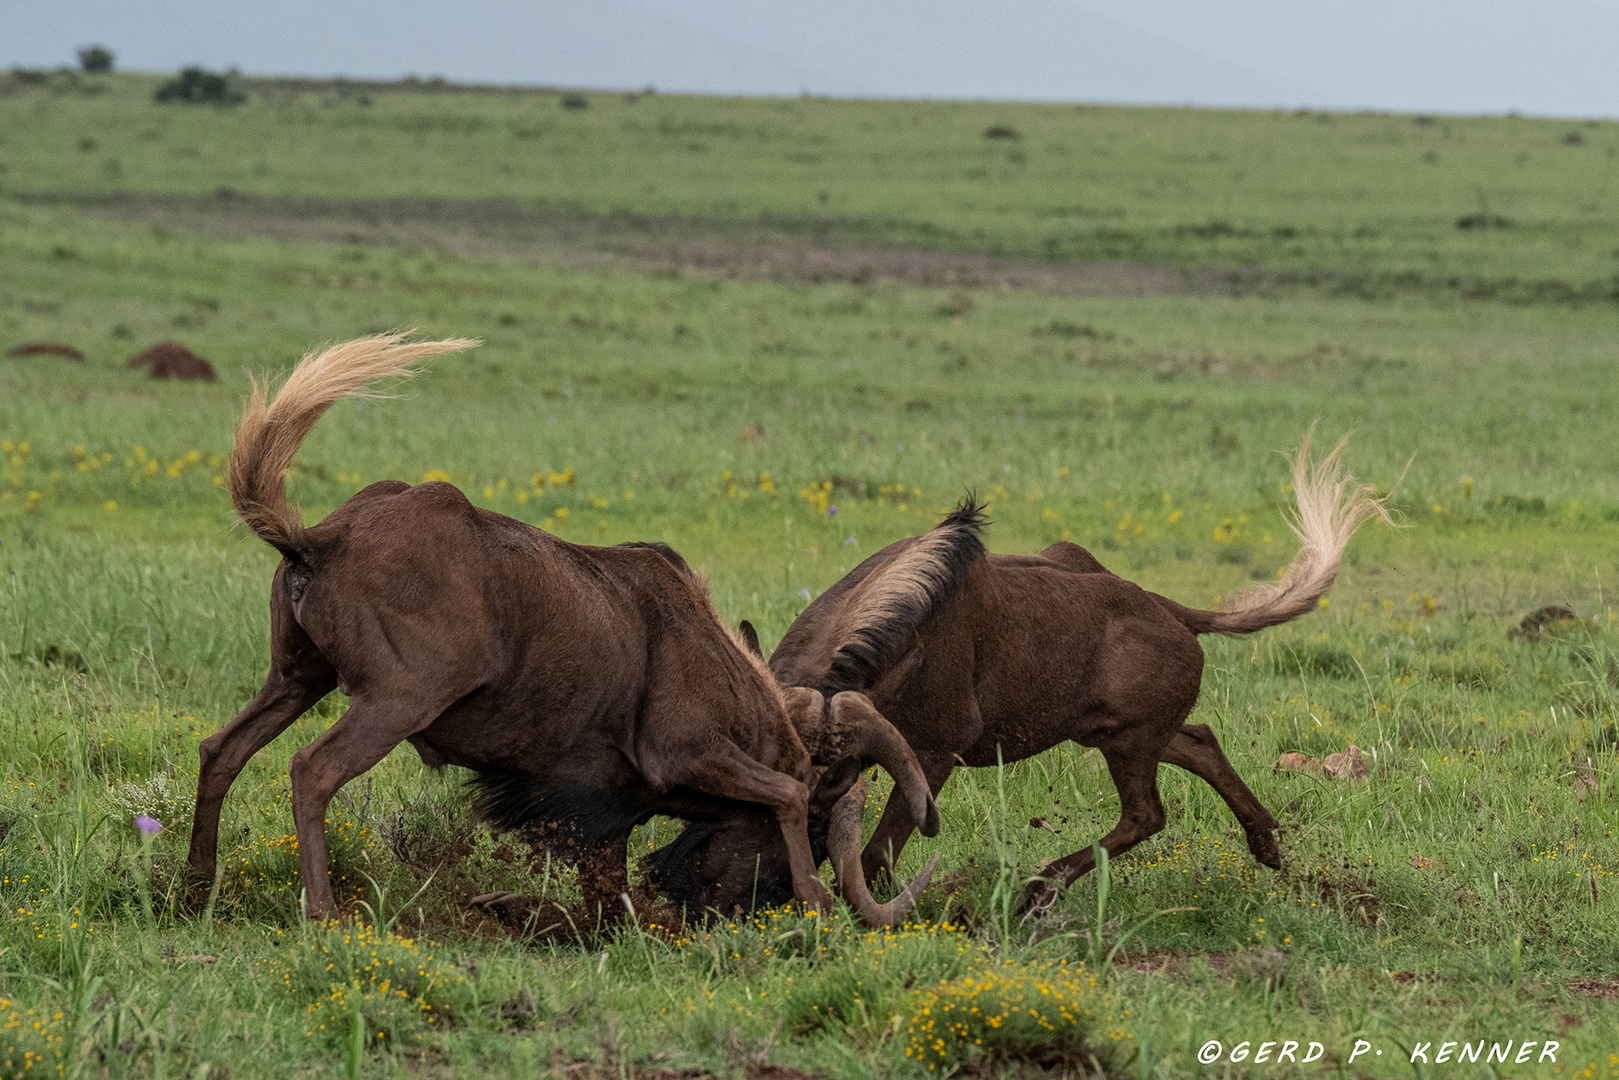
[
  {"x": 1196, "y": 750},
  {"x": 1141, "y": 815},
  {"x": 894, "y": 829},
  {"x": 724, "y": 770},
  {"x": 284, "y": 698},
  {"x": 348, "y": 748}
]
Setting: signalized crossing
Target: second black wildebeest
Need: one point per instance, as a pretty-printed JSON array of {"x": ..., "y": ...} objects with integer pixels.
[
  {"x": 589, "y": 687},
  {"x": 980, "y": 658}
]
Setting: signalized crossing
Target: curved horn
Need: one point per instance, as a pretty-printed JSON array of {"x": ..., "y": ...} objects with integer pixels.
[
  {"x": 872, "y": 737},
  {"x": 843, "y": 845}
]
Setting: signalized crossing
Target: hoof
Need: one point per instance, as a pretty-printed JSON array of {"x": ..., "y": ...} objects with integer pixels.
[
  {"x": 1262, "y": 846},
  {"x": 198, "y": 889}
]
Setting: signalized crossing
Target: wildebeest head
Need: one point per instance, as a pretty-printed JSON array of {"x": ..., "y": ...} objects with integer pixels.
[{"x": 740, "y": 862}]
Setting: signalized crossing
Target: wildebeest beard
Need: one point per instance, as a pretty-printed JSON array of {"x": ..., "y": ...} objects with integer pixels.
[
  {"x": 740, "y": 862},
  {"x": 729, "y": 866}
]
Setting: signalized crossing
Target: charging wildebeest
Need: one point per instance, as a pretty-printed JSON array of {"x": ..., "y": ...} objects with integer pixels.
[
  {"x": 590, "y": 688},
  {"x": 981, "y": 658}
]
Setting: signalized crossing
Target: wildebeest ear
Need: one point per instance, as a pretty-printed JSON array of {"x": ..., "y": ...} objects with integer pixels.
[
  {"x": 835, "y": 782},
  {"x": 751, "y": 637}
]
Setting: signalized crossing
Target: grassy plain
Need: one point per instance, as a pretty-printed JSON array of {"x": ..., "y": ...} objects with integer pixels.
[{"x": 1466, "y": 892}]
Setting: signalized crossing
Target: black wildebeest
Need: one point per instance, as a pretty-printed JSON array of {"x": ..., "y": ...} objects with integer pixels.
[
  {"x": 979, "y": 658},
  {"x": 590, "y": 688}
]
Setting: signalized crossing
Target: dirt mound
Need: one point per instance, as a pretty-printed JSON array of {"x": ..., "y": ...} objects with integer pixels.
[
  {"x": 534, "y": 919},
  {"x": 47, "y": 348},
  {"x": 172, "y": 360},
  {"x": 1538, "y": 623},
  {"x": 814, "y": 249}
]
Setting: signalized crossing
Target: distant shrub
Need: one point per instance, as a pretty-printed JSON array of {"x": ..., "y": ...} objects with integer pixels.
[
  {"x": 575, "y": 101},
  {"x": 1001, "y": 131},
  {"x": 1211, "y": 230},
  {"x": 1483, "y": 220},
  {"x": 95, "y": 59},
  {"x": 1532, "y": 506},
  {"x": 197, "y": 86},
  {"x": 1065, "y": 329}
]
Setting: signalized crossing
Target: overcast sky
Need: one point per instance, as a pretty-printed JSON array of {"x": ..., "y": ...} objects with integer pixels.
[{"x": 1550, "y": 57}]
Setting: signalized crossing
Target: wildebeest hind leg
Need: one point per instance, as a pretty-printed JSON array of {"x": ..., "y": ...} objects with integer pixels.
[
  {"x": 1141, "y": 815},
  {"x": 1196, "y": 750},
  {"x": 284, "y": 698},
  {"x": 359, "y": 740}
]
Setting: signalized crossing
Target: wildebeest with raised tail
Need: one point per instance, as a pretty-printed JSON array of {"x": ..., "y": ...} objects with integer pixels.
[
  {"x": 589, "y": 687},
  {"x": 982, "y": 658}
]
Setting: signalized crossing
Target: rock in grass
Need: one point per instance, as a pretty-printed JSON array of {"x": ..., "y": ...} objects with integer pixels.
[
  {"x": 1296, "y": 762},
  {"x": 1344, "y": 765}
]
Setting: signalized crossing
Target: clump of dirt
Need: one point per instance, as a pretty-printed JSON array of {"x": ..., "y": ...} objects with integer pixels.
[
  {"x": 172, "y": 360},
  {"x": 536, "y": 919},
  {"x": 1538, "y": 623},
  {"x": 47, "y": 348},
  {"x": 1353, "y": 897},
  {"x": 1168, "y": 962},
  {"x": 1598, "y": 988}
]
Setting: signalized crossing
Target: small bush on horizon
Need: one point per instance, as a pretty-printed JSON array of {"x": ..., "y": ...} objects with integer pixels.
[
  {"x": 95, "y": 60},
  {"x": 198, "y": 86}
]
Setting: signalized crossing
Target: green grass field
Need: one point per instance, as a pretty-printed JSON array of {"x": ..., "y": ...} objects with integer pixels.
[{"x": 1266, "y": 270}]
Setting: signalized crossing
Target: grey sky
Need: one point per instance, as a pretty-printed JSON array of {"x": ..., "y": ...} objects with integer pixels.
[{"x": 1553, "y": 57}]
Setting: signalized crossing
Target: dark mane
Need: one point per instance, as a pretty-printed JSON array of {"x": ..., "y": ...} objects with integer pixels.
[{"x": 889, "y": 604}]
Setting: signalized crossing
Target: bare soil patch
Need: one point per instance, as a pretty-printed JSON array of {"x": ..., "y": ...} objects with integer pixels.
[
  {"x": 811, "y": 249},
  {"x": 1170, "y": 963},
  {"x": 47, "y": 348},
  {"x": 1607, "y": 989}
]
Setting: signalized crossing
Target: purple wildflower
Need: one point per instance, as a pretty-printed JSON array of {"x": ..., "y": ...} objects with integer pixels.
[
  {"x": 804, "y": 593},
  {"x": 849, "y": 541},
  {"x": 148, "y": 825},
  {"x": 831, "y": 511}
]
